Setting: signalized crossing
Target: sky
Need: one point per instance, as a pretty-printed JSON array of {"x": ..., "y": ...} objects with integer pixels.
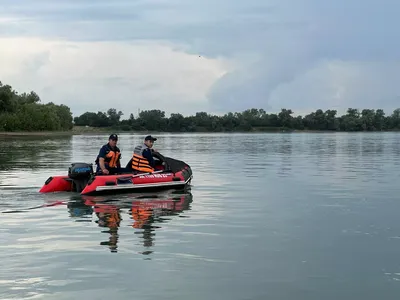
[{"x": 186, "y": 56}]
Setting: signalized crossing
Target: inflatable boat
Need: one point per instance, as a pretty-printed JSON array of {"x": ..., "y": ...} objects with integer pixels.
[{"x": 169, "y": 174}]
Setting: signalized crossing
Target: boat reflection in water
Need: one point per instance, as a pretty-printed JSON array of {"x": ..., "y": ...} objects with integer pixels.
[{"x": 144, "y": 210}]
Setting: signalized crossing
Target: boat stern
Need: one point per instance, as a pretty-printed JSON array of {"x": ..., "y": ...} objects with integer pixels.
[{"x": 56, "y": 184}]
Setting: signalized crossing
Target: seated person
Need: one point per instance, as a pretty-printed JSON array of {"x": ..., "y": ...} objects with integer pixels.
[
  {"x": 109, "y": 159},
  {"x": 142, "y": 159}
]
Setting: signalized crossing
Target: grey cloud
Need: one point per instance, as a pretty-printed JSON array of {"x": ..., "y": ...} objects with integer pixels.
[
  {"x": 290, "y": 37},
  {"x": 339, "y": 31},
  {"x": 336, "y": 28},
  {"x": 177, "y": 20}
]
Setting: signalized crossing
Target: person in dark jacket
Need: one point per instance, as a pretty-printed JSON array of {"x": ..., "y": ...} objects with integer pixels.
[
  {"x": 109, "y": 159},
  {"x": 142, "y": 159}
]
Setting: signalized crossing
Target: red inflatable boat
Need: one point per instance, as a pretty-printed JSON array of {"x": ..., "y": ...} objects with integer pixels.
[{"x": 81, "y": 178}]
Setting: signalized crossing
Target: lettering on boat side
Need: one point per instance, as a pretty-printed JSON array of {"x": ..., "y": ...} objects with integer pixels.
[{"x": 155, "y": 176}]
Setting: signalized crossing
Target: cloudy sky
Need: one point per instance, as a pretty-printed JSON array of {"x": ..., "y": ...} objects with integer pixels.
[{"x": 215, "y": 56}]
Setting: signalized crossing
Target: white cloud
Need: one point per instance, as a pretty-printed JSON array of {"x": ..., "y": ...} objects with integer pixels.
[{"x": 98, "y": 75}]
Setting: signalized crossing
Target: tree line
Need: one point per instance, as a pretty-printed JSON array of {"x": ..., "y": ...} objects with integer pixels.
[
  {"x": 24, "y": 112},
  {"x": 248, "y": 120}
]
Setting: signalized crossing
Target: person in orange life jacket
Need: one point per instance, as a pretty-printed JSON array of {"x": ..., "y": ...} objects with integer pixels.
[
  {"x": 109, "y": 159},
  {"x": 142, "y": 159}
]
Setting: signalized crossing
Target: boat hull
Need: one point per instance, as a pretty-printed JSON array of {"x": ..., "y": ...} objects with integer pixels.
[
  {"x": 57, "y": 184},
  {"x": 102, "y": 184}
]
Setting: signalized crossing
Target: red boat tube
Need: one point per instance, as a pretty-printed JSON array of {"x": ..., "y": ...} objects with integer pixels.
[
  {"x": 81, "y": 178},
  {"x": 57, "y": 184}
]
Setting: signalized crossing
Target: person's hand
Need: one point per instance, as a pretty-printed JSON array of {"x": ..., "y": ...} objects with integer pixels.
[{"x": 105, "y": 171}]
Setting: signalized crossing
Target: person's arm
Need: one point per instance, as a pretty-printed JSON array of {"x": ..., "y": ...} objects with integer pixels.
[
  {"x": 147, "y": 154},
  {"x": 102, "y": 165},
  {"x": 102, "y": 155}
]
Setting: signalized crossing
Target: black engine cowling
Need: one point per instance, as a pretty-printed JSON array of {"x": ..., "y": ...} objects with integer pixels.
[
  {"x": 80, "y": 170},
  {"x": 80, "y": 174}
]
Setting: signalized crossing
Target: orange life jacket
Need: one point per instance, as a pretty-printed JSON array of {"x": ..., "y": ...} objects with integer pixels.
[
  {"x": 112, "y": 157},
  {"x": 139, "y": 162}
]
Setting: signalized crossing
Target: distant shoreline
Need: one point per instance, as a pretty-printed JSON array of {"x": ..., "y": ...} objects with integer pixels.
[
  {"x": 37, "y": 133},
  {"x": 75, "y": 131},
  {"x": 82, "y": 130}
]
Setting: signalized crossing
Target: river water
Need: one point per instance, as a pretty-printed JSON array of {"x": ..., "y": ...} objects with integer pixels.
[{"x": 268, "y": 216}]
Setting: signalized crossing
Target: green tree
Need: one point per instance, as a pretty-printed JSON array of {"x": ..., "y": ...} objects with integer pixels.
[
  {"x": 395, "y": 119},
  {"x": 285, "y": 118},
  {"x": 252, "y": 119},
  {"x": 114, "y": 116},
  {"x": 152, "y": 120},
  {"x": 24, "y": 112}
]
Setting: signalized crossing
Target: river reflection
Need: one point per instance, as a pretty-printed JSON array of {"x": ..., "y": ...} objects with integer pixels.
[
  {"x": 144, "y": 212},
  {"x": 34, "y": 152}
]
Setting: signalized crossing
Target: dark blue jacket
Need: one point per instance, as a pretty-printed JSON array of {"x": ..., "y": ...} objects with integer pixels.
[
  {"x": 147, "y": 154},
  {"x": 103, "y": 152}
]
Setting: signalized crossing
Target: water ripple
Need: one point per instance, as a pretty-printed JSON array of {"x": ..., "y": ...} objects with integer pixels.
[{"x": 280, "y": 216}]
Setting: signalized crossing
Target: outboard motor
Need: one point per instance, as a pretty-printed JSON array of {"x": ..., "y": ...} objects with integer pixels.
[{"x": 80, "y": 173}]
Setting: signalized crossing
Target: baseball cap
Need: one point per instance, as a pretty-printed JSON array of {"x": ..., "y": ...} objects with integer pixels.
[
  {"x": 113, "y": 137},
  {"x": 150, "y": 138}
]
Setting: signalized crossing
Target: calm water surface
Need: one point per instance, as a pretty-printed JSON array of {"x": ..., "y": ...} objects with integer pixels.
[{"x": 268, "y": 216}]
